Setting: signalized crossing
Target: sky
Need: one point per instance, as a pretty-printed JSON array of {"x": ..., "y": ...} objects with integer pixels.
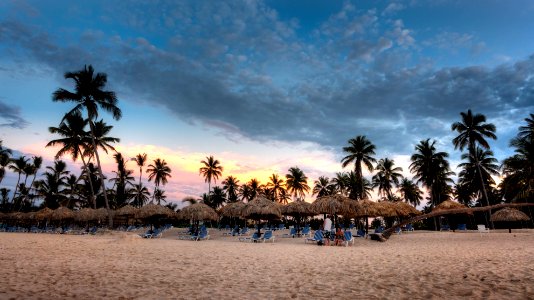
[{"x": 267, "y": 85}]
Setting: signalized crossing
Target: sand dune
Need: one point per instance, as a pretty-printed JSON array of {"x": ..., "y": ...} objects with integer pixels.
[{"x": 420, "y": 265}]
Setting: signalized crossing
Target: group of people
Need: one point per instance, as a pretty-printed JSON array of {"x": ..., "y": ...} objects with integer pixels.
[{"x": 339, "y": 238}]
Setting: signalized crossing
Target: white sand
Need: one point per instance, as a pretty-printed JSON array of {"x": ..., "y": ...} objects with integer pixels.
[{"x": 420, "y": 265}]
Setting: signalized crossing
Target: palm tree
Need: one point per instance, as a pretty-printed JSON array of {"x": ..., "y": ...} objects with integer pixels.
[
  {"x": 483, "y": 161},
  {"x": 18, "y": 165},
  {"x": 387, "y": 175},
  {"x": 472, "y": 131},
  {"x": 217, "y": 198},
  {"x": 32, "y": 169},
  {"x": 5, "y": 160},
  {"x": 159, "y": 171},
  {"x": 256, "y": 188},
  {"x": 123, "y": 178},
  {"x": 429, "y": 167},
  {"x": 341, "y": 183},
  {"x": 410, "y": 192},
  {"x": 211, "y": 170},
  {"x": 75, "y": 140},
  {"x": 159, "y": 196},
  {"x": 4, "y": 196},
  {"x": 140, "y": 160},
  {"x": 246, "y": 193},
  {"x": 518, "y": 170},
  {"x": 354, "y": 185},
  {"x": 297, "y": 183},
  {"x": 90, "y": 96},
  {"x": 138, "y": 195},
  {"x": 52, "y": 187},
  {"x": 72, "y": 183},
  {"x": 190, "y": 200},
  {"x": 360, "y": 151},
  {"x": 323, "y": 187},
  {"x": 277, "y": 188},
  {"x": 231, "y": 186}
]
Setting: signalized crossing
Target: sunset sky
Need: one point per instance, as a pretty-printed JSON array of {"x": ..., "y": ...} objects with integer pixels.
[{"x": 267, "y": 85}]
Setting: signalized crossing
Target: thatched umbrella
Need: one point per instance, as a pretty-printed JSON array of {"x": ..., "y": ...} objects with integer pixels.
[
  {"x": 366, "y": 208},
  {"x": 43, "y": 214},
  {"x": 404, "y": 209},
  {"x": 261, "y": 208},
  {"x": 298, "y": 210},
  {"x": 387, "y": 209},
  {"x": 85, "y": 214},
  {"x": 232, "y": 210},
  {"x": 126, "y": 210},
  {"x": 333, "y": 205},
  {"x": 101, "y": 214},
  {"x": 198, "y": 212},
  {"x": 509, "y": 215},
  {"x": 448, "y": 204},
  {"x": 62, "y": 213},
  {"x": 154, "y": 211}
]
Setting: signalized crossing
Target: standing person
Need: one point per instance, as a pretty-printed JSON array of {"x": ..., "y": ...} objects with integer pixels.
[{"x": 327, "y": 230}]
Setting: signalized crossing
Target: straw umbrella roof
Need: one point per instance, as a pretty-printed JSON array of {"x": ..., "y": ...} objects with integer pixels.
[
  {"x": 262, "y": 208},
  {"x": 62, "y": 213},
  {"x": 509, "y": 214},
  {"x": 404, "y": 209},
  {"x": 102, "y": 213},
  {"x": 387, "y": 209},
  {"x": 43, "y": 214},
  {"x": 152, "y": 210},
  {"x": 448, "y": 204},
  {"x": 85, "y": 214},
  {"x": 126, "y": 210},
  {"x": 333, "y": 204},
  {"x": 298, "y": 208},
  {"x": 198, "y": 212},
  {"x": 366, "y": 208},
  {"x": 232, "y": 210}
]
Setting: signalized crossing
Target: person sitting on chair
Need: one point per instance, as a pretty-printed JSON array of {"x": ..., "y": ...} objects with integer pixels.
[{"x": 340, "y": 237}]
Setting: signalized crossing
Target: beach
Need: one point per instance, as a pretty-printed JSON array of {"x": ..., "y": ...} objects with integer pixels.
[{"x": 120, "y": 265}]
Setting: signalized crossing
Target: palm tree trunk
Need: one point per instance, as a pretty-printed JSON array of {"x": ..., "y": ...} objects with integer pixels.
[
  {"x": 93, "y": 198},
  {"x": 140, "y": 174},
  {"x": 31, "y": 185},
  {"x": 110, "y": 218},
  {"x": 15, "y": 193},
  {"x": 484, "y": 193}
]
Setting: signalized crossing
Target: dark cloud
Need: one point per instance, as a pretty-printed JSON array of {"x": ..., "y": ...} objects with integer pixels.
[
  {"x": 242, "y": 70},
  {"x": 10, "y": 116}
]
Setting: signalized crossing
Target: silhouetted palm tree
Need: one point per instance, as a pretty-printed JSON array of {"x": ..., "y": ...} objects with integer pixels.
[
  {"x": 410, "y": 192},
  {"x": 4, "y": 198},
  {"x": 387, "y": 175},
  {"x": 277, "y": 188},
  {"x": 323, "y": 187},
  {"x": 360, "y": 151},
  {"x": 90, "y": 96},
  {"x": 211, "y": 170},
  {"x": 32, "y": 169},
  {"x": 429, "y": 167},
  {"x": 354, "y": 185},
  {"x": 159, "y": 171},
  {"x": 140, "y": 160},
  {"x": 518, "y": 170},
  {"x": 217, "y": 198},
  {"x": 297, "y": 183},
  {"x": 472, "y": 131},
  {"x": 123, "y": 179},
  {"x": 5, "y": 160},
  {"x": 231, "y": 186},
  {"x": 341, "y": 183},
  {"x": 18, "y": 165},
  {"x": 75, "y": 141},
  {"x": 483, "y": 161},
  {"x": 159, "y": 196},
  {"x": 246, "y": 193},
  {"x": 52, "y": 187},
  {"x": 138, "y": 195}
]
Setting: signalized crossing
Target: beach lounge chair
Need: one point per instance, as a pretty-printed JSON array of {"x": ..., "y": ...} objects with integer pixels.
[
  {"x": 359, "y": 233},
  {"x": 156, "y": 234},
  {"x": 254, "y": 237},
  {"x": 349, "y": 240},
  {"x": 445, "y": 228},
  {"x": 268, "y": 236},
  {"x": 292, "y": 233},
  {"x": 409, "y": 227},
  {"x": 379, "y": 229},
  {"x": 243, "y": 231},
  {"x": 482, "y": 229},
  {"x": 306, "y": 232},
  {"x": 203, "y": 235},
  {"x": 398, "y": 230},
  {"x": 461, "y": 227},
  {"x": 147, "y": 234},
  {"x": 318, "y": 236},
  {"x": 281, "y": 226}
]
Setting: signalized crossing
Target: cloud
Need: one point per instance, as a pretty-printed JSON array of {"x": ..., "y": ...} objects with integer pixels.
[
  {"x": 10, "y": 116},
  {"x": 355, "y": 74}
]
